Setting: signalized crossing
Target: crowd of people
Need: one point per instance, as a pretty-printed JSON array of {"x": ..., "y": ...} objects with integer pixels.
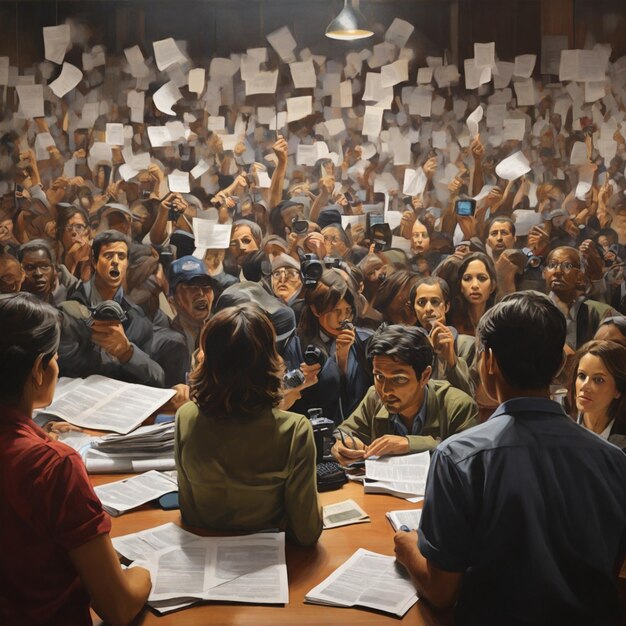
[{"x": 339, "y": 289}]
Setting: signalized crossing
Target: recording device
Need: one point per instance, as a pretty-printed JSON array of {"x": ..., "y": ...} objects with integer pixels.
[
  {"x": 346, "y": 325},
  {"x": 380, "y": 236},
  {"x": 108, "y": 311},
  {"x": 166, "y": 256},
  {"x": 465, "y": 207},
  {"x": 332, "y": 262},
  {"x": 313, "y": 355},
  {"x": 172, "y": 213},
  {"x": 524, "y": 259},
  {"x": 372, "y": 219},
  {"x": 299, "y": 226},
  {"x": 145, "y": 194},
  {"x": 330, "y": 475},
  {"x": 311, "y": 268},
  {"x": 349, "y": 197},
  {"x": 293, "y": 379}
]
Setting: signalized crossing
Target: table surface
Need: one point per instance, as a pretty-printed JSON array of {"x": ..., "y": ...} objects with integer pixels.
[{"x": 306, "y": 568}]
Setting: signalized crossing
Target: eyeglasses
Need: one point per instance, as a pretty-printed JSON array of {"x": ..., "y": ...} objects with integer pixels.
[
  {"x": 77, "y": 228},
  {"x": 286, "y": 274},
  {"x": 434, "y": 302},
  {"x": 565, "y": 266}
]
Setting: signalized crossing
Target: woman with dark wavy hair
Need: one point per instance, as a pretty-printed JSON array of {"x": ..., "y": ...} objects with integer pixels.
[{"x": 242, "y": 463}]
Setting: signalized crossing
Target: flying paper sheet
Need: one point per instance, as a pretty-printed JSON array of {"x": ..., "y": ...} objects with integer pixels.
[
  {"x": 200, "y": 169},
  {"x": 303, "y": 74},
  {"x": 56, "y": 40},
  {"x": 69, "y": 77},
  {"x": 514, "y": 129},
  {"x": 165, "y": 97},
  {"x": 372, "y": 121},
  {"x": 473, "y": 120},
  {"x": 504, "y": 75},
  {"x": 114, "y": 134},
  {"x": 524, "y": 65},
  {"x": 525, "y": 92},
  {"x": 159, "y": 136},
  {"x": 138, "y": 67},
  {"x": 424, "y": 75},
  {"x": 299, "y": 107},
  {"x": 476, "y": 76},
  {"x": 513, "y": 167},
  {"x": 196, "y": 80},
  {"x": 485, "y": 54},
  {"x": 586, "y": 174},
  {"x": 414, "y": 182},
  {"x": 394, "y": 73},
  {"x": 399, "y": 32},
  {"x": 283, "y": 42},
  {"x": 166, "y": 53},
  {"x": 262, "y": 82}
]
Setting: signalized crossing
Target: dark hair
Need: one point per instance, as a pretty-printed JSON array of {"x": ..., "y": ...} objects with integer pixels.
[
  {"x": 105, "y": 238},
  {"x": 504, "y": 219},
  {"x": 573, "y": 251},
  {"x": 65, "y": 214},
  {"x": 526, "y": 333},
  {"x": 391, "y": 287},
  {"x": 34, "y": 246},
  {"x": 331, "y": 288},
  {"x": 615, "y": 320},
  {"x": 29, "y": 328},
  {"x": 240, "y": 373},
  {"x": 613, "y": 356},
  {"x": 405, "y": 344},
  {"x": 431, "y": 281}
]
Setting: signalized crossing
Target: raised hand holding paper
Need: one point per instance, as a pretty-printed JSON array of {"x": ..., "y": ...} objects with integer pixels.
[{"x": 513, "y": 167}]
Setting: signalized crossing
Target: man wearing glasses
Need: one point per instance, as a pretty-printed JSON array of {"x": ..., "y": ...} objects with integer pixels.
[
  {"x": 405, "y": 411},
  {"x": 565, "y": 282},
  {"x": 285, "y": 279}
]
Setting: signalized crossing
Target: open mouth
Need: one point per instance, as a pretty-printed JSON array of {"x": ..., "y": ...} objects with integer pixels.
[
  {"x": 201, "y": 305},
  {"x": 114, "y": 273}
]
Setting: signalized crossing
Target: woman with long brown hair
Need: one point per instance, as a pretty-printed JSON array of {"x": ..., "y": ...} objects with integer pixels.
[{"x": 242, "y": 463}]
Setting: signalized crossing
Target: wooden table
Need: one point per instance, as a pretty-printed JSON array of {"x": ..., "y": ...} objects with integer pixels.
[{"x": 306, "y": 568}]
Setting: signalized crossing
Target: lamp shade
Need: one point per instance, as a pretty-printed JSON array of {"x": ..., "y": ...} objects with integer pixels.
[{"x": 349, "y": 24}]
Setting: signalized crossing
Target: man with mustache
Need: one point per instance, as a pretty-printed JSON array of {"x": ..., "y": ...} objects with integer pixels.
[
  {"x": 405, "y": 411},
  {"x": 118, "y": 346}
]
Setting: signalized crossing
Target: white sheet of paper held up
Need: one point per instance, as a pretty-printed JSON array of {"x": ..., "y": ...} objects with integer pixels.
[
  {"x": 56, "y": 40},
  {"x": 69, "y": 77},
  {"x": 114, "y": 135},
  {"x": 525, "y": 92},
  {"x": 394, "y": 73},
  {"x": 372, "y": 121},
  {"x": 424, "y": 75},
  {"x": 303, "y": 74},
  {"x": 262, "y": 82},
  {"x": 165, "y": 97},
  {"x": 513, "y": 166},
  {"x": 414, "y": 182},
  {"x": 485, "y": 54},
  {"x": 166, "y": 53},
  {"x": 299, "y": 107},
  {"x": 211, "y": 235},
  {"x": 514, "y": 129},
  {"x": 31, "y": 100},
  {"x": 159, "y": 136},
  {"x": 43, "y": 141},
  {"x": 505, "y": 73},
  {"x": 196, "y": 80},
  {"x": 138, "y": 67},
  {"x": 200, "y": 169},
  {"x": 178, "y": 182},
  {"x": 4, "y": 71},
  {"x": 476, "y": 76},
  {"x": 473, "y": 119}
]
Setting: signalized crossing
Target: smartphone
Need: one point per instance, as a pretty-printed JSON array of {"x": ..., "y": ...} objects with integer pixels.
[
  {"x": 349, "y": 197},
  {"x": 465, "y": 208}
]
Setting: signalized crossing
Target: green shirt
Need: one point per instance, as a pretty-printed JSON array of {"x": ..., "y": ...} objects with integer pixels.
[
  {"x": 448, "y": 411},
  {"x": 244, "y": 473}
]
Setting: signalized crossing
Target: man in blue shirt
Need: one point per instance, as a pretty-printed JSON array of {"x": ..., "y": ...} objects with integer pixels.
[{"x": 524, "y": 518}]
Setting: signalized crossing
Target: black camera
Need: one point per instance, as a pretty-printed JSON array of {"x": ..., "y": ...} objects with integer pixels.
[
  {"x": 346, "y": 325},
  {"x": 108, "y": 311},
  {"x": 172, "y": 213},
  {"x": 299, "y": 226},
  {"x": 293, "y": 379},
  {"x": 313, "y": 356},
  {"x": 380, "y": 236},
  {"x": 311, "y": 268}
]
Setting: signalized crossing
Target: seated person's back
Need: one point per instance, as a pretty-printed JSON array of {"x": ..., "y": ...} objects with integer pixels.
[{"x": 242, "y": 463}]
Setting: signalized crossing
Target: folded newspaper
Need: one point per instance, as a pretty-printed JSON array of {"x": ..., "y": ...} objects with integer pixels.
[
  {"x": 367, "y": 580},
  {"x": 402, "y": 476},
  {"x": 409, "y": 518},
  {"x": 101, "y": 403},
  {"x": 147, "y": 448}
]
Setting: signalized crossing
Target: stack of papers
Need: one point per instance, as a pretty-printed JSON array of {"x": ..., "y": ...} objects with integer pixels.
[
  {"x": 147, "y": 448},
  {"x": 145, "y": 543},
  {"x": 402, "y": 476},
  {"x": 407, "y": 517},
  {"x": 343, "y": 514},
  {"x": 123, "y": 495},
  {"x": 102, "y": 403},
  {"x": 250, "y": 569},
  {"x": 368, "y": 580}
]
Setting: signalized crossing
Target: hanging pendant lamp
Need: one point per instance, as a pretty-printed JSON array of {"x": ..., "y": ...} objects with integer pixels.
[{"x": 350, "y": 24}]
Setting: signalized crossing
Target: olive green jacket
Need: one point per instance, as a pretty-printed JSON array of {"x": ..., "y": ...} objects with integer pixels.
[
  {"x": 448, "y": 411},
  {"x": 248, "y": 473}
]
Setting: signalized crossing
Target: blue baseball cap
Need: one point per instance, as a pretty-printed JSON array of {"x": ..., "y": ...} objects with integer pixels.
[{"x": 188, "y": 270}]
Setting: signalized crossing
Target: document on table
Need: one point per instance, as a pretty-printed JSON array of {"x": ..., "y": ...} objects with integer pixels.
[
  {"x": 403, "y": 476},
  {"x": 123, "y": 495},
  {"x": 101, "y": 403},
  {"x": 249, "y": 568},
  {"x": 343, "y": 514},
  {"x": 145, "y": 543},
  {"x": 406, "y": 517},
  {"x": 369, "y": 580}
]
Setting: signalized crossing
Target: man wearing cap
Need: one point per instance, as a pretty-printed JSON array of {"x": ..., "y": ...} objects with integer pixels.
[
  {"x": 192, "y": 292},
  {"x": 286, "y": 280},
  {"x": 102, "y": 331},
  {"x": 116, "y": 216}
]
